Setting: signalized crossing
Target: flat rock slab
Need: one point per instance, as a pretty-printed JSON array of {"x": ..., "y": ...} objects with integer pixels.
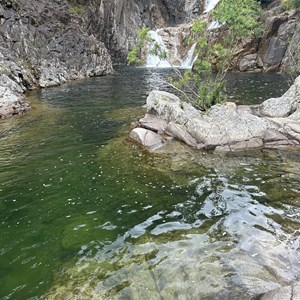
[{"x": 147, "y": 138}]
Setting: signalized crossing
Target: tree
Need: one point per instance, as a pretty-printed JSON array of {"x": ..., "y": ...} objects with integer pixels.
[{"x": 204, "y": 85}]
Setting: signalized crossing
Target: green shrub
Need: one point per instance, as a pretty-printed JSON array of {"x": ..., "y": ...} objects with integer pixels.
[{"x": 291, "y": 4}]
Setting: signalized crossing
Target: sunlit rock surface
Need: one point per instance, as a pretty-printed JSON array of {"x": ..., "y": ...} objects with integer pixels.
[{"x": 228, "y": 127}]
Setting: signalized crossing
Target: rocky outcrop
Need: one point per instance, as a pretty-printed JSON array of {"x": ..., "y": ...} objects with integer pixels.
[
  {"x": 275, "y": 123},
  {"x": 42, "y": 44},
  {"x": 278, "y": 49},
  {"x": 117, "y": 22}
]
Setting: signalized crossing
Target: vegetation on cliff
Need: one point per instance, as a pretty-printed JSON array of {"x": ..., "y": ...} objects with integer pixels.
[{"x": 204, "y": 85}]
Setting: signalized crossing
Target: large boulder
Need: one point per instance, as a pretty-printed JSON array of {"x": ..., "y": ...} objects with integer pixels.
[
  {"x": 227, "y": 127},
  {"x": 284, "y": 106}
]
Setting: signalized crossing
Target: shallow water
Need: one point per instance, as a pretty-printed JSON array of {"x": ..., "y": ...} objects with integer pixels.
[{"x": 87, "y": 213}]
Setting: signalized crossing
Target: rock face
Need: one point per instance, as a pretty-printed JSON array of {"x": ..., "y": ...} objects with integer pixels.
[
  {"x": 290, "y": 292},
  {"x": 117, "y": 22},
  {"x": 278, "y": 49},
  {"x": 42, "y": 44},
  {"x": 275, "y": 123}
]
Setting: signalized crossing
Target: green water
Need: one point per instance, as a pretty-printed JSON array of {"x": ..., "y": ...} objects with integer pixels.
[{"x": 86, "y": 213}]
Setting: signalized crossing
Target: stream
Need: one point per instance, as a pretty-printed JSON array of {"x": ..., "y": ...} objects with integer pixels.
[{"x": 85, "y": 213}]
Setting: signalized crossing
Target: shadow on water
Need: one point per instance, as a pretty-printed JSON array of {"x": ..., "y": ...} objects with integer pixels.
[{"x": 86, "y": 213}]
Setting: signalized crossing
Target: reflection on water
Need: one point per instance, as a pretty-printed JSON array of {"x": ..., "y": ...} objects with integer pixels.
[
  {"x": 86, "y": 213},
  {"x": 223, "y": 238}
]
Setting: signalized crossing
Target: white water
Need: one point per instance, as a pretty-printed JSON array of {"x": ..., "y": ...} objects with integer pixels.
[
  {"x": 210, "y": 5},
  {"x": 154, "y": 61},
  {"x": 178, "y": 61},
  {"x": 190, "y": 59}
]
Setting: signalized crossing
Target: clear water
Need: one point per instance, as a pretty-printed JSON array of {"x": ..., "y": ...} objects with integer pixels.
[{"x": 87, "y": 214}]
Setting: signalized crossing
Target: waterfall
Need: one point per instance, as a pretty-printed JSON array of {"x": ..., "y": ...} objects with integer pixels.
[
  {"x": 153, "y": 61},
  {"x": 190, "y": 58},
  {"x": 210, "y": 5}
]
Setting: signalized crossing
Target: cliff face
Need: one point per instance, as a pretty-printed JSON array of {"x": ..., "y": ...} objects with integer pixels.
[
  {"x": 117, "y": 22},
  {"x": 42, "y": 44},
  {"x": 278, "y": 49}
]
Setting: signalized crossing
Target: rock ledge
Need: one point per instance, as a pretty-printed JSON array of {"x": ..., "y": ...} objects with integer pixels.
[{"x": 228, "y": 127}]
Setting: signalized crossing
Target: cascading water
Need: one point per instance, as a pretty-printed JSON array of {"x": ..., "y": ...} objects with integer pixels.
[
  {"x": 190, "y": 59},
  {"x": 179, "y": 61},
  {"x": 210, "y": 5},
  {"x": 171, "y": 40},
  {"x": 153, "y": 61}
]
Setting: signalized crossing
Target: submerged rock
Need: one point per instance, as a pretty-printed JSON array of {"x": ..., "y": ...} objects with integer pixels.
[{"x": 274, "y": 123}]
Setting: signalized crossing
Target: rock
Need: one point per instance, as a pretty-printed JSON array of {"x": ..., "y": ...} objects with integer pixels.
[
  {"x": 226, "y": 127},
  {"x": 248, "y": 62},
  {"x": 117, "y": 22},
  {"x": 180, "y": 132},
  {"x": 272, "y": 135},
  {"x": 274, "y": 54},
  {"x": 283, "y": 106},
  {"x": 169, "y": 107},
  {"x": 280, "y": 42},
  {"x": 153, "y": 123},
  {"x": 43, "y": 44},
  {"x": 290, "y": 292},
  {"x": 147, "y": 138},
  {"x": 244, "y": 145}
]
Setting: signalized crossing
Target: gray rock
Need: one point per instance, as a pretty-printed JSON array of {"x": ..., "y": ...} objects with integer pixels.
[
  {"x": 153, "y": 123},
  {"x": 42, "y": 44},
  {"x": 117, "y": 22},
  {"x": 272, "y": 135},
  {"x": 283, "y": 106},
  {"x": 248, "y": 62},
  {"x": 147, "y": 138},
  {"x": 227, "y": 127},
  {"x": 166, "y": 106},
  {"x": 180, "y": 132},
  {"x": 241, "y": 146},
  {"x": 290, "y": 292}
]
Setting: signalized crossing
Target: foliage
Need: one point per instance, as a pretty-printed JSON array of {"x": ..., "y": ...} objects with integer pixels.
[
  {"x": 291, "y": 4},
  {"x": 134, "y": 56},
  {"x": 240, "y": 17},
  {"x": 206, "y": 82},
  {"x": 204, "y": 85}
]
